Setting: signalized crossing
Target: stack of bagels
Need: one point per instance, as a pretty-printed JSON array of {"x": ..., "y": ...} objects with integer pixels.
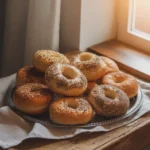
[{"x": 85, "y": 84}]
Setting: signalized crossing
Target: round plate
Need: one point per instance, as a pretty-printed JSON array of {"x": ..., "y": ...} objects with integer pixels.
[{"x": 135, "y": 104}]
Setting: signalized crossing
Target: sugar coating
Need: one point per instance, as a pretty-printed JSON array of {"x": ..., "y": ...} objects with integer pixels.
[
  {"x": 62, "y": 113},
  {"x": 106, "y": 106},
  {"x": 94, "y": 63},
  {"x": 54, "y": 73},
  {"x": 50, "y": 56},
  {"x": 30, "y": 74},
  {"x": 32, "y": 90}
]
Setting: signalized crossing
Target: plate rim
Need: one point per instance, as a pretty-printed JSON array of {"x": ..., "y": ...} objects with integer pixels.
[{"x": 90, "y": 124}]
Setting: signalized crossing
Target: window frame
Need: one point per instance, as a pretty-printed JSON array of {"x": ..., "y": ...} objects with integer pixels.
[{"x": 126, "y": 26}]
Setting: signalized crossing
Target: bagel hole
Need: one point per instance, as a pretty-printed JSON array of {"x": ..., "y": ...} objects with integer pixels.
[
  {"x": 119, "y": 79},
  {"x": 85, "y": 57},
  {"x": 35, "y": 90},
  {"x": 73, "y": 104},
  {"x": 69, "y": 73},
  {"x": 42, "y": 91},
  {"x": 110, "y": 93}
]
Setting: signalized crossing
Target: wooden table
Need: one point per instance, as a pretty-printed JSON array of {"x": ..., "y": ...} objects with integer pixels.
[{"x": 134, "y": 136}]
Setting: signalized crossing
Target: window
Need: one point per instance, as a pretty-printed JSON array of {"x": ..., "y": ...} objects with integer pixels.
[
  {"x": 134, "y": 23},
  {"x": 139, "y": 18}
]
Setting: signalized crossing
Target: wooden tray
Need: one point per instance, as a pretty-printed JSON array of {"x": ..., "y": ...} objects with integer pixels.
[{"x": 135, "y": 104}]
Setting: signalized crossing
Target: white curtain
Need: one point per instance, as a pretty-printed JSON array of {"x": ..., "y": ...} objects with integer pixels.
[{"x": 29, "y": 25}]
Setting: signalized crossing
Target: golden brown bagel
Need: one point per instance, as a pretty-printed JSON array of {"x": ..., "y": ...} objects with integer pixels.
[
  {"x": 123, "y": 81},
  {"x": 65, "y": 79},
  {"x": 42, "y": 59},
  {"x": 71, "y": 54},
  {"x": 90, "y": 86},
  {"x": 71, "y": 111},
  {"x": 29, "y": 74},
  {"x": 91, "y": 65},
  {"x": 111, "y": 65},
  {"x": 109, "y": 101},
  {"x": 32, "y": 98}
]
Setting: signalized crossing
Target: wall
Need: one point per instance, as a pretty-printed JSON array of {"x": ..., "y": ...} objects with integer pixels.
[
  {"x": 98, "y": 22},
  {"x": 86, "y": 22},
  {"x": 2, "y": 20},
  {"x": 14, "y": 35},
  {"x": 29, "y": 25},
  {"x": 70, "y": 24},
  {"x": 42, "y": 27}
]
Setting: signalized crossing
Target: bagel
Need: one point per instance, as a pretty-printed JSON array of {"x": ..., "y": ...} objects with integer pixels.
[
  {"x": 108, "y": 101},
  {"x": 32, "y": 98},
  {"x": 123, "y": 81},
  {"x": 71, "y": 111},
  {"x": 111, "y": 65},
  {"x": 65, "y": 79},
  {"x": 29, "y": 74},
  {"x": 42, "y": 59},
  {"x": 91, "y": 65},
  {"x": 90, "y": 86}
]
